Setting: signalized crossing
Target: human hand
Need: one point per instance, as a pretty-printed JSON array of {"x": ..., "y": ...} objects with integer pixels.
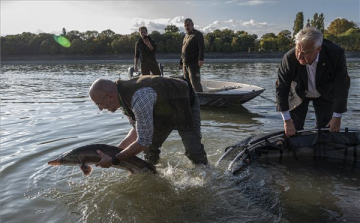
[
  {"x": 136, "y": 69},
  {"x": 201, "y": 63},
  {"x": 106, "y": 160},
  {"x": 334, "y": 124},
  {"x": 148, "y": 44},
  {"x": 289, "y": 128}
]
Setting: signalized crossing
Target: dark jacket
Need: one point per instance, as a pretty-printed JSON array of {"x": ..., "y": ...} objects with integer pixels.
[
  {"x": 332, "y": 79},
  {"x": 141, "y": 50},
  {"x": 172, "y": 107},
  {"x": 193, "y": 47}
]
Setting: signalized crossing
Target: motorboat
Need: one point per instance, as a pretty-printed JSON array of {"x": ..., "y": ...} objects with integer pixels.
[
  {"x": 223, "y": 93},
  {"x": 217, "y": 93}
]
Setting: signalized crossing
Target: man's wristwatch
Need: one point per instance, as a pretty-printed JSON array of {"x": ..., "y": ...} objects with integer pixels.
[{"x": 115, "y": 161}]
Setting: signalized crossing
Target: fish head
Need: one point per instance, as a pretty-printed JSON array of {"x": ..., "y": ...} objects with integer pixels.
[
  {"x": 55, "y": 162},
  {"x": 67, "y": 159}
]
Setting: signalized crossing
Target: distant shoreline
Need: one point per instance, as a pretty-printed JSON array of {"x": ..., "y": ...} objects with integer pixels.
[{"x": 161, "y": 57}]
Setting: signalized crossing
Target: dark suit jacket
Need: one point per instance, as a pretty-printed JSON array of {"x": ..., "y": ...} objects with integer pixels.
[{"x": 332, "y": 79}]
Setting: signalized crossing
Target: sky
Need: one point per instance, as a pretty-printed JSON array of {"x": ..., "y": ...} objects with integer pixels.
[{"x": 124, "y": 17}]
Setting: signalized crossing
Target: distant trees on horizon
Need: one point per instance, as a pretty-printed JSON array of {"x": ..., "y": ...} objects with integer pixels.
[{"x": 343, "y": 32}]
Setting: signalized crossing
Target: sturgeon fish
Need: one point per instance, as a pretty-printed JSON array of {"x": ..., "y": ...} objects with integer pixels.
[{"x": 87, "y": 155}]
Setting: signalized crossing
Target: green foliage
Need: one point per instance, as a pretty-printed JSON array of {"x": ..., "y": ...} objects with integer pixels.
[
  {"x": 298, "y": 23},
  {"x": 349, "y": 40},
  {"x": 339, "y": 26},
  {"x": 341, "y": 31},
  {"x": 318, "y": 22},
  {"x": 171, "y": 29}
]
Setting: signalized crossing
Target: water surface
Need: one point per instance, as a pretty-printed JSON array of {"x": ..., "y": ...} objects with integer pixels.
[{"x": 45, "y": 111}]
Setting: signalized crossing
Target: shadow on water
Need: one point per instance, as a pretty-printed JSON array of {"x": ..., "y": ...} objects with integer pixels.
[{"x": 233, "y": 115}]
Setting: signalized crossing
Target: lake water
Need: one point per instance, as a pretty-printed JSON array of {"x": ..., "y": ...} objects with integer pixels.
[{"x": 45, "y": 111}]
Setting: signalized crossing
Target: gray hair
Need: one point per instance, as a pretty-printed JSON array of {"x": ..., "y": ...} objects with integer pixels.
[{"x": 309, "y": 34}]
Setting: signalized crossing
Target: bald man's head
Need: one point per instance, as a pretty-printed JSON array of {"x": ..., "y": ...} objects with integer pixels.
[{"x": 104, "y": 94}]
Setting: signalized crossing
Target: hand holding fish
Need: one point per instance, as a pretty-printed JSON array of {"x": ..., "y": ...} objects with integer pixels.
[{"x": 106, "y": 160}]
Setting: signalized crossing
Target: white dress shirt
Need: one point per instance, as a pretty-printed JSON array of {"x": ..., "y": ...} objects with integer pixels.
[{"x": 312, "y": 91}]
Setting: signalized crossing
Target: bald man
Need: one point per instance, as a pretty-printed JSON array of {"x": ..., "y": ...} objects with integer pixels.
[{"x": 155, "y": 106}]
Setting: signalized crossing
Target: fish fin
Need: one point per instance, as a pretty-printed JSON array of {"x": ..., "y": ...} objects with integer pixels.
[{"x": 86, "y": 169}]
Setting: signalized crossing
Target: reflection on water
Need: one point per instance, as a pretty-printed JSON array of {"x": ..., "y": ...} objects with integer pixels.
[{"x": 45, "y": 111}]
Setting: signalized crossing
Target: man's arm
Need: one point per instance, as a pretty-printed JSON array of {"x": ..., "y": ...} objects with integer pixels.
[
  {"x": 136, "y": 58},
  {"x": 130, "y": 151},
  {"x": 283, "y": 84},
  {"x": 201, "y": 46},
  {"x": 129, "y": 139},
  {"x": 135, "y": 64},
  {"x": 341, "y": 85}
]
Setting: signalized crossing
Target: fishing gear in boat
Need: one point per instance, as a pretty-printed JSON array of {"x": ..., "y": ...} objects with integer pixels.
[{"x": 321, "y": 142}]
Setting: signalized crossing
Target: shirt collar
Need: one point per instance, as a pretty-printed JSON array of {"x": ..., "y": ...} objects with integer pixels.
[{"x": 315, "y": 62}]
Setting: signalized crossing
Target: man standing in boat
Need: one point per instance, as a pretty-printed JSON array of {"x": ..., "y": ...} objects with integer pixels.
[
  {"x": 315, "y": 70},
  {"x": 145, "y": 48},
  {"x": 155, "y": 106},
  {"x": 192, "y": 54}
]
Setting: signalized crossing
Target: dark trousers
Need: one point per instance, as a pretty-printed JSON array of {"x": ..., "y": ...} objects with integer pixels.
[
  {"x": 191, "y": 139},
  {"x": 148, "y": 67},
  {"x": 323, "y": 112},
  {"x": 192, "y": 74}
]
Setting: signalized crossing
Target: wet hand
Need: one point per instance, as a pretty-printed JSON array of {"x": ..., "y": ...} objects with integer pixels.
[
  {"x": 106, "y": 160},
  {"x": 334, "y": 124},
  {"x": 289, "y": 128}
]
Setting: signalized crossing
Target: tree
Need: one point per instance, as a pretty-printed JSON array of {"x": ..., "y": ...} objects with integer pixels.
[
  {"x": 47, "y": 48},
  {"x": 77, "y": 46},
  {"x": 171, "y": 29},
  {"x": 298, "y": 23},
  {"x": 314, "y": 20},
  {"x": 318, "y": 22},
  {"x": 284, "y": 42},
  {"x": 339, "y": 26}
]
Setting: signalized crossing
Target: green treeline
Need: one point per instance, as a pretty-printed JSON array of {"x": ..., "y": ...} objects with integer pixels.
[{"x": 343, "y": 32}]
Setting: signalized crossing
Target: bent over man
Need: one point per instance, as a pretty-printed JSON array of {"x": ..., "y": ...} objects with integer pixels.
[
  {"x": 315, "y": 70},
  {"x": 155, "y": 106}
]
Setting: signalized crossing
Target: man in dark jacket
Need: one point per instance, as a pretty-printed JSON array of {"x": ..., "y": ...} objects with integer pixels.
[
  {"x": 155, "y": 106},
  {"x": 192, "y": 54},
  {"x": 145, "y": 48},
  {"x": 315, "y": 70}
]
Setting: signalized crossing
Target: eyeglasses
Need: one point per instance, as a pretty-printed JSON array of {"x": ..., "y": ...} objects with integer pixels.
[{"x": 99, "y": 103}]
